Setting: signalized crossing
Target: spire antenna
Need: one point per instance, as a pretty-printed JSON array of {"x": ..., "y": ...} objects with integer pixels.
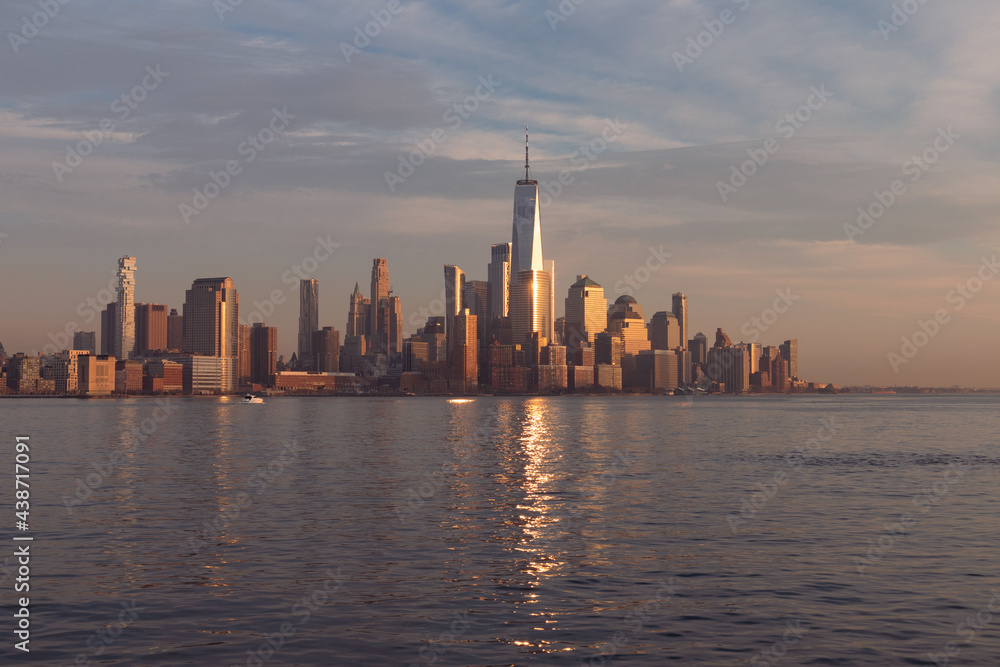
[{"x": 526, "y": 175}]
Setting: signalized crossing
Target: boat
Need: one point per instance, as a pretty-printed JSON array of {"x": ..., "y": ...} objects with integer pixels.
[{"x": 250, "y": 398}]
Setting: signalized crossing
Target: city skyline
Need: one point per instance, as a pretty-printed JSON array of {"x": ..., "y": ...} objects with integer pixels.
[
  {"x": 376, "y": 323},
  {"x": 735, "y": 184}
]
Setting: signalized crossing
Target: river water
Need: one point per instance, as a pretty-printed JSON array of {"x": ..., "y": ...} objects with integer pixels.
[{"x": 798, "y": 530}]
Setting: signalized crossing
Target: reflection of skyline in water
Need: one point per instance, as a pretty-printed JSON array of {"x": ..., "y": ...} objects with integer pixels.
[{"x": 531, "y": 524}]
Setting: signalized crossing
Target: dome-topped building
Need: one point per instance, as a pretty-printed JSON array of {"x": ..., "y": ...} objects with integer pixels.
[
  {"x": 627, "y": 322},
  {"x": 625, "y": 304}
]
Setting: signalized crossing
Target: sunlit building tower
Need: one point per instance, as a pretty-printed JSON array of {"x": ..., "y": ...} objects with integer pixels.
[
  {"x": 680, "y": 310},
  {"x": 532, "y": 296},
  {"x": 550, "y": 268},
  {"x": 454, "y": 290},
  {"x": 67, "y": 371},
  {"x": 464, "y": 352},
  {"x": 211, "y": 321},
  {"x": 125, "y": 315},
  {"x": 308, "y": 319},
  {"x": 498, "y": 280},
  {"x": 96, "y": 375},
  {"x": 790, "y": 351},
  {"x": 357, "y": 314},
  {"x": 243, "y": 375},
  {"x": 150, "y": 328},
  {"x": 626, "y": 304},
  {"x": 263, "y": 353},
  {"x": 531, "y": 306},
  {"x": 756, "y": 350},
  {"x": 627, "y": 323},
  {"x": 378, "y": 315},
  {"x": 586, "y": 312}
]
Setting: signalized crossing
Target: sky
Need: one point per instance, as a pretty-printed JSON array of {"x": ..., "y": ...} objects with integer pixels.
[{"x": 819, "y": 169}]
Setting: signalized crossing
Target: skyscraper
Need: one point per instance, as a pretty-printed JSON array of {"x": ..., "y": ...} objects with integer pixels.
[
  {"x": 465, "y": 352},
  {"x": 308, "y": 319},
  {"x": 263, "y": 353},
  {"x": 626, "y": 322},
  {"x": 790, "y": 351},
  {"x": 474, "y": 298},
  {"x": 125, "y": 315},
  {"x": 680, "y": 309},
  {"x": 526, "y": 242},
  {"x": 586, "y": 312},
  {"x": 245, "y": 355},
  {"x": 326, "y": 350},
  {"x": 665, "y": 331},
  {"x": 498, "y": 288},
  {"x": 211, "y": 319},
  {"x": 699, "y": 348},
  {"x": 395, "y": 333},
  {"x": 531, "y": 290},
  {"x": 109, "y": 319},
  {"x": 378, "y": 317},
  {"x": 454, "y": 290},
  {"x": 175, "y": 330},
  {"x": 357, "y": 314},
  {"x": 150, "y": 327},
  {"x": 82, "y": 340}
]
